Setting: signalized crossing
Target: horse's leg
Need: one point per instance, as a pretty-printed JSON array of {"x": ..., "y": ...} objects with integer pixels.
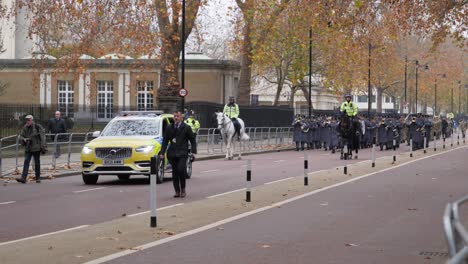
[
  {"x": 240, "y": 150},
  {"x": 228, "y": 147}
]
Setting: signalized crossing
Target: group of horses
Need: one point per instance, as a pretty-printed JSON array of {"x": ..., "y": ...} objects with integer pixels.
[{"x": 348, "y": 128}]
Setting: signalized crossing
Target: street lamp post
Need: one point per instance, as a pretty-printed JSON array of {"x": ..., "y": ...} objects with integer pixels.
[
  {"x": 435, "y": 92},
  {"x": 183, "y": 55},
  {"x": 406, "y": 78},
  {"x": 369, "y": 91},
  {"x": 459, "y": 97},
  {"x": 416, "y": 95},
  {"x": 451, "y": 102},
  {"x": 310, "y": 72}
]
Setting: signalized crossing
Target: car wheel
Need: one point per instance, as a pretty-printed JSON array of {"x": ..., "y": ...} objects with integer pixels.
[
  {"x": 159, "y": 170},
  {"x": 124, "y": 177},
  {"x": 189, "y": 169},
  {"x": 90, "y": 179}
]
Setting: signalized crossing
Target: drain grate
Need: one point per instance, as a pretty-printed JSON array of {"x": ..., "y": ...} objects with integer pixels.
[{"x": 434, "y": 254}]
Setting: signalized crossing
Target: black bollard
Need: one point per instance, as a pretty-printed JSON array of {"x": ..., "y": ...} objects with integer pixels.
[
  {"x": 373, "y": 152},
  {"x": 435, "y": 140},
  {"x": 306, "y": 168},
  {"x": 411, "y": 148},
  {"x": 394, "y": 150},
  {"x": 153, "y": 204},
  {"x": 249, "y": 180}
]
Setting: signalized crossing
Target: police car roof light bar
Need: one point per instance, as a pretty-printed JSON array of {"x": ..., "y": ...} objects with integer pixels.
[{"x": 142, "y": 113}]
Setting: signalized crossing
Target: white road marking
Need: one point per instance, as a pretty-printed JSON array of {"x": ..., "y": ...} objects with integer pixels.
[
  {"x": 88, "y": 190},
  {"x": 209, "y": 171},
  {"x": 278, "y": 161},
  {"x": 278, "y": 181},
  {"x": 43, "y": 235},
  {"x": 314, "y": 172},
  {"x": 160, "y": 209},
  {"x": 243, "y": 215},
  {"x": 221, "y": 194},
  {"x": 9, "y": 202}
]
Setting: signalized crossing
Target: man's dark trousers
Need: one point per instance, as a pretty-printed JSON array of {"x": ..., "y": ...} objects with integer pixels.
[
  {"x": 179, "y": 171},
  {"x": 37, "y": 164}
]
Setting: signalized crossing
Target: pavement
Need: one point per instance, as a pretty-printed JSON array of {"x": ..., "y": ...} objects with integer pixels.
[{"x": 118, "y": 222}]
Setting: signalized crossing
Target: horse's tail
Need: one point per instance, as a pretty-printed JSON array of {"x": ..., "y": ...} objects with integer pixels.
[{"x": 245, "y": 137}]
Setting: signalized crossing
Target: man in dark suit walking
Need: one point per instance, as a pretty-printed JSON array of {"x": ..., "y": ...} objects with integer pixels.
[{"x": 178, "y": 135}]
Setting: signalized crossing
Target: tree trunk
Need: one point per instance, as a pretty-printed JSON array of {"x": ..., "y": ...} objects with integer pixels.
[
  {"x": 378, "y": 97},
  {"x": 169, "y": 69},
  {"x": 246, "y": 65},
  {"x": 281, "y": 78}
]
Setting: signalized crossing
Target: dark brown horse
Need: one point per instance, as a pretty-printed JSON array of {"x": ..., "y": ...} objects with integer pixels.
[{"x": 350, "y": 131}]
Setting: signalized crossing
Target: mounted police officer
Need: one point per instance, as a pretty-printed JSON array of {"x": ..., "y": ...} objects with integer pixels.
[
  {"x": 349, "y": 107},
  {"x": 232, "y": 111}
]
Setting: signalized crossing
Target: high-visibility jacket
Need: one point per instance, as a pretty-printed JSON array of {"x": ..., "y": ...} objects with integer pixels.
[
  {"x": 231, "y": 110},
  {"x": 451, "y": 115},
  {"x": 350, "y": 108},
  {"x": 193, "y": 123}
]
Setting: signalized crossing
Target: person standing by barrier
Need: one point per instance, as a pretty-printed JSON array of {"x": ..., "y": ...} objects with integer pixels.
[
  {"x": 192, "y": 122},
  {"x": 56, "y": 126},
  {"x": 32, "y": 137},
  {"x": 179, "y": 135}
]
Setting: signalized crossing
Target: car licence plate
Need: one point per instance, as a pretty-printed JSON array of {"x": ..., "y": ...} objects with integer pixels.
[{"x": 113, "y": 162}]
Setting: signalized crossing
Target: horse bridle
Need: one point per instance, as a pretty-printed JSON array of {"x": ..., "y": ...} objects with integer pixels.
[{"x": 224, "y": 122}]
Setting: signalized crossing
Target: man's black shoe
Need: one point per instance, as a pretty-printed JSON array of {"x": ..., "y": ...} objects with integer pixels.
[
  {"x": 22, "y": 180},
  {"x": 177, "y": 195},
  {"x": 182, "y": 194},
  {"x": 38, "y": 181}
]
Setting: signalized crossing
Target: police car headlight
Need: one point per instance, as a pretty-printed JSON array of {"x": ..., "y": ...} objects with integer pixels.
[
  {"x": 145, "y": 149},
  {"x": 87, "y": 150}
]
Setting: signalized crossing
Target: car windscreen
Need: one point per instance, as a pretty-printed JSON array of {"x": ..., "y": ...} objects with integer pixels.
[{"x": 140, "y": 127}]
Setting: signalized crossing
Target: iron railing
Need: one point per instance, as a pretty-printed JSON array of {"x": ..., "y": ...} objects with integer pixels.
[
  {"x": 456, "y": 233},
  {"x": 208, "y": 139}
]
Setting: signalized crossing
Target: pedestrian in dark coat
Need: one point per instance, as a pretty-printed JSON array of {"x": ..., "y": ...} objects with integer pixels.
[
  {"x": 297, "y": 133},
  {"x": 178, "y": 135},
  {"x": 334, "y": 137},
  {"x": 382, "y": 134},
  {"x": 32, "y": 137},
  {"x": 56, "y": 126}
]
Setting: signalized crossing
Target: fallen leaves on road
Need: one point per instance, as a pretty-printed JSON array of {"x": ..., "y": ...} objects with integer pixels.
[
  {"x": 50, "y": 248},
  {"x": 351, "y": 245},
  {"x": 219, "y": 228},
  {"x": 138, "y": 207},
  {"x": 285, "y": 194},
  {"x": 169, "y": 233},
  {"x": 78, "y": 256},
  {"x": 124, "y": 214},
  {"x": 119, "y": 232},
  {"x": 412, "y": 209}
]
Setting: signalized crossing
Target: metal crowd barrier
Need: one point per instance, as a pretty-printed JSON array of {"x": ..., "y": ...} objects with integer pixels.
[
  {"x": 209, "y": 142},
  {"x": 455, "y": 233}
]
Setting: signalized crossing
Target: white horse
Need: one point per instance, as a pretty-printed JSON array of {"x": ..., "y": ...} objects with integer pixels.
[{"x": 226, "y": 127}]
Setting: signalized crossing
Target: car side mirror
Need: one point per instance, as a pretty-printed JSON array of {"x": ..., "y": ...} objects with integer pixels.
[{"x": 96, "y": 133}]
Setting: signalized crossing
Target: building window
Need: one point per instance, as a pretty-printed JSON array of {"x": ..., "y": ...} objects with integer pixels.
[
  {"x": 254, "y": 99},
  {"x": 388, "y": 99},
  {"x": 145, "y": 95},
  {"x": 373, "y": 98},
  {"x": 105, "y": 99},
  {"x": 362, "y": 99},
  {"x": 65, "y": 98}
]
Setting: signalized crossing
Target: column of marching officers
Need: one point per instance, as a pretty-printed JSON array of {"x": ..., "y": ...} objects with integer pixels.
[{"x": 320, "y": 132}]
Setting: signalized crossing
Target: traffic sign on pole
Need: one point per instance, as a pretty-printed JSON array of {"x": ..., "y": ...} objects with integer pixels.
[{"x": 183, "y": 92}]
